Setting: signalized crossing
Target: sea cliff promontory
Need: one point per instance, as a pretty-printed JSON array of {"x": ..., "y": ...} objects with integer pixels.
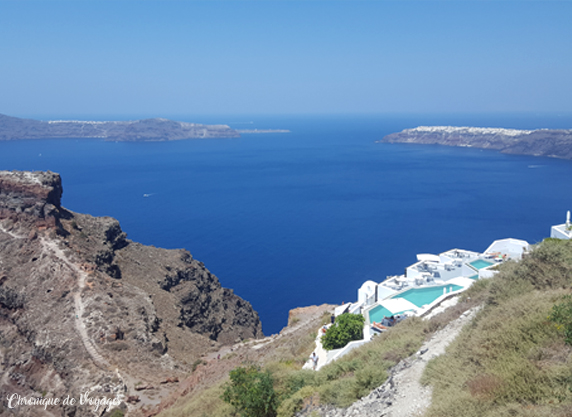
[
  {"x": 541, "y": 142},
  {"x": 84, "y": 308},
  {"x": 146, "y": 130}
]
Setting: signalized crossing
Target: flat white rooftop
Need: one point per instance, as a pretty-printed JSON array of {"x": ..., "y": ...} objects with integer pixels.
[
  {"x": 561, "y": 231},
  {"x": 512, "y": 248}
]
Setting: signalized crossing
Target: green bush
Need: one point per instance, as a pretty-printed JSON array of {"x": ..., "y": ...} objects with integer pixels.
[
  {"x": 368, "y": 378},
  {"x": 562, "y": 316},
  {"x": 251, "y": 392},
  {"x": 346, "y": 328},
  {"x": 294, "y": 403}
]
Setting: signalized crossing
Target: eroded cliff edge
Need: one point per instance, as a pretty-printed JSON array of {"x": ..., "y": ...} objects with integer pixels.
[
  {"x": 541, "y": 142},
  {"x": 84, "y": 308}
]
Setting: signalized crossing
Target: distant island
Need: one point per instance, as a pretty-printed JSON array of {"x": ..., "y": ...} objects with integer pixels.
[
  {"x": 146, "y": 130},
  {"x": 541, "y": 142}
]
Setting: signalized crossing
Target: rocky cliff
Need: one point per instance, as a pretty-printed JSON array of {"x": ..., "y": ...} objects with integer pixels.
[
  {"x": 13, "y": 128},
  {"x": 83, "y": 308},
  {"x": 541, "y": 142}
]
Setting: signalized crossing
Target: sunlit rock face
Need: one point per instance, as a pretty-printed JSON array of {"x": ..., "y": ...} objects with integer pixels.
[{"x": 84, "y": 308}]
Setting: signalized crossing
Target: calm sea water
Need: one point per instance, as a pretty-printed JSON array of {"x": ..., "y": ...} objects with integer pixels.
[{"x": 304, "y": 218}]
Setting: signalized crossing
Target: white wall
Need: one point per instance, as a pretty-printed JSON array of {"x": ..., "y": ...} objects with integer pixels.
[
  {"x": 412, "y": 272},
  {"x": 487, "y": 273},
  {"x": 558, "y": 232},
  {"x": 383, "y": 292},
  {"x": 367, "y": 290}
]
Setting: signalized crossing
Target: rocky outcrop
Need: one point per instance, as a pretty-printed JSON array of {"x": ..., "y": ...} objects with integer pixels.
[
  {"x": 83, "y": 307},
  {"x": 34, "y": 197},
  {"x": 13, "y": 128},
  {"x": 303, "y": 313},
  {"x": 541, "y": 142}
]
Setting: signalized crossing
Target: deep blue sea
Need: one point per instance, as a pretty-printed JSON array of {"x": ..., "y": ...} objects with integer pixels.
[{"x": 303, "y": 218}]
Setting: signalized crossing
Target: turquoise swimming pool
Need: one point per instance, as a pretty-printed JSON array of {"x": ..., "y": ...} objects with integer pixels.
[
  {"x": 480, "y": 264},
  {"x": 378, "y": 313},
  {"x": 424, "y": 296}
]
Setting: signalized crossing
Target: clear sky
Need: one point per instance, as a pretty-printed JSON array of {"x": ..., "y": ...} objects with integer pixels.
[{"x": 160, "y": 58}]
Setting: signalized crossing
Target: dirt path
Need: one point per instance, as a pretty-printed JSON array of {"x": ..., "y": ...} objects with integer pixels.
[
  {"x": 51, "y": 246},
  {"x": 402, "y": 395},
  {"x": 411, "y": 397},
  {"x": 15, "y": 236},
  {"x": 145, "y": 399}
]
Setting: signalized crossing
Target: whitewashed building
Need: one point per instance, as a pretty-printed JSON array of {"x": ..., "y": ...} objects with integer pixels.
[{"x": 562, "y": 231}]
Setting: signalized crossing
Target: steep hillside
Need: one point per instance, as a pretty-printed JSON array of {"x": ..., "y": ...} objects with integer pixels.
[
  {"x": 507, "y": 356},
  {"x": 84, "y": 308},
  {"x": 514, "y": 359}
]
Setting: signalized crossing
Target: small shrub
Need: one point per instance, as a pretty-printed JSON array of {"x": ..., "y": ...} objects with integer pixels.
[
  {"x": 251, "y": 392},
  {"x": 561, "y": 316},
  {"x": 196, "y": 364},
  {"x": 294, "y": 403},
  {"x": 346, "y": 328},
  {"x": 339, "y": 392},
  {"x": 367, "y": 379},
  {"x": 299, "y": 380}
]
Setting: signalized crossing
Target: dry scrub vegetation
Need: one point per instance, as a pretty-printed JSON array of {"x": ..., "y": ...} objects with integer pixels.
[
  {"x": 511, "y": 361},
  {"x": 340, "y": 383}
]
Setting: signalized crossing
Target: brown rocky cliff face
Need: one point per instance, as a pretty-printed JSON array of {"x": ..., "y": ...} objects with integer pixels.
[
  {"x": 78, "y": 301},
  {"x": 34, "y": 197}
]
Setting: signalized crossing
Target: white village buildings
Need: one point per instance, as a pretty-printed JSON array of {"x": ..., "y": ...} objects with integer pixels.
[{"x": 426, "y": 286}]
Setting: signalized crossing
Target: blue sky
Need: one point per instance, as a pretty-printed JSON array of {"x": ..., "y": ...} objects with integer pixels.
[{"x": 292, "y": 57}]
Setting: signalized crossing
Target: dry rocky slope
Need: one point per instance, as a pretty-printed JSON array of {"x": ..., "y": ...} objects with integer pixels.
[
  {"x": 84, "y": 308},
  {"x": 13, "y": 128},
  {"x": 402, "y": 395},
  {"x": 541, "y": 142}
]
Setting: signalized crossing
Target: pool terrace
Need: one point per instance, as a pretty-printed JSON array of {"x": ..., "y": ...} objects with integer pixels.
[
  {"x": 413, "y": 301},
  {"x": 429, "y": 281},
  {"x": 424, "y": 286}
]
